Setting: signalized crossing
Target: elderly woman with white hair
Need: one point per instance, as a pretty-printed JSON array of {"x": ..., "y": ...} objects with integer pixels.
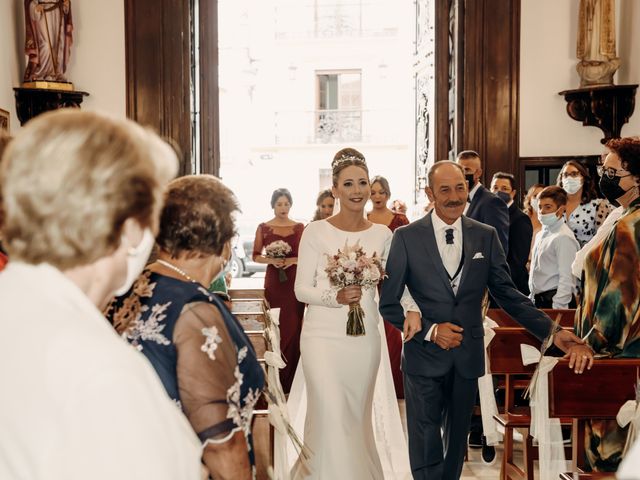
[{"x": 81, "y": 197}]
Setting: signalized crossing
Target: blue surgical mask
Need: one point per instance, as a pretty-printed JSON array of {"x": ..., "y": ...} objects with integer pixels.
[{"x": 549, "y": 219}]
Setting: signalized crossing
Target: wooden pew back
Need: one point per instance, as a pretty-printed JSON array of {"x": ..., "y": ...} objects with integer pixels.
[
  {"x": 503, "y": 319},
  {"x": 504, "y": 351},
  {"x": 597, "y": 393}
]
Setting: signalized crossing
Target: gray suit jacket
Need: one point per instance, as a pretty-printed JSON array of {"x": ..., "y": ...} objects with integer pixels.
[{"x": 414, "y": 261}]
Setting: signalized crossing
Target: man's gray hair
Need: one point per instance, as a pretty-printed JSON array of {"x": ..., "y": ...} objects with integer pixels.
[{"x": 437, "y": 165}]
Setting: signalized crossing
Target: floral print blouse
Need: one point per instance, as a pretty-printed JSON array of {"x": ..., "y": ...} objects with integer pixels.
[
  {"x": 199, "y": 350},
  {"x": 586, "y": 219}
]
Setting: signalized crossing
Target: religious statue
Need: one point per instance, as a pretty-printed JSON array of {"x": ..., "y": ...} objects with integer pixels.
[
  {"x": 596, "y": 46},
  {"x": 48, "y": 38}
]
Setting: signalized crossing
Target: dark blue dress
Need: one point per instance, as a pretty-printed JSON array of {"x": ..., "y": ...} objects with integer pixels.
[{"x": 204, "y": 360}]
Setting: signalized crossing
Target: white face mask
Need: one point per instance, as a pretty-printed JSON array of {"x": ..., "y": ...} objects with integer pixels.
[
  {"x": 136, "y": 260},
  {"x": 572, "y": 185},
  {"x": 534, "y": 204},
  {"x": 548, "y": 219}
]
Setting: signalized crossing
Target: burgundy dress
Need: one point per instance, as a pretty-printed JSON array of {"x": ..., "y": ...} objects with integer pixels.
[
  {"x": 281, "y": 295},
  {"x": 394, "y": 336}
]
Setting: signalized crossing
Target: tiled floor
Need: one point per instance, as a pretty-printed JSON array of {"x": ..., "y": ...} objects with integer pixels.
[{"x": 475, "y": 468}]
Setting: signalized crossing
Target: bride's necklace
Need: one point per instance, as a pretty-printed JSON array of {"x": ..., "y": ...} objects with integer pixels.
[{"x": 176, "y": 269}]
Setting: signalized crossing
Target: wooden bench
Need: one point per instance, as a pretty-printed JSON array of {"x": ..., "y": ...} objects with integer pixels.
[
  {"x": 597, "y": 393},
  {"x": 250, "y": 310},
  {"x": 246, "y": 293},
  {"x": 587, "y": 476},
  {"x": 505, "y": 359},
  {"x": 503, "y": 319}
]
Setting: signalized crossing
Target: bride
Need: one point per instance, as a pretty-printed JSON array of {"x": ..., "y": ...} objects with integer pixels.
[{"x": 338, "y": 371}]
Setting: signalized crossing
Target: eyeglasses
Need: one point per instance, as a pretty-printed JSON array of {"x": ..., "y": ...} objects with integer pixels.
[
  {"x": 611, "y": 172},
  {"x": 575, "y": 174}
]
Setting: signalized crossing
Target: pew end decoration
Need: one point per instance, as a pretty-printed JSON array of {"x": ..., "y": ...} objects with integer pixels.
[
  {"x": 546, "y": 344},
  {"x": 277, "y": 402},
  {"x": 351, "y": 266},
  {"x": 629, "y": 414}
]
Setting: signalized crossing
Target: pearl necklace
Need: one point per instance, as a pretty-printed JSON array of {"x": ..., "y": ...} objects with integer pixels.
[{"x": 176, "y": 269}]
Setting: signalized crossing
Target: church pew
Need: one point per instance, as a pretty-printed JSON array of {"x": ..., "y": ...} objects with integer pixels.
[
  {"x": 587, "y": 476},
  {"x": 246, "y": 293},
  {"x": 597, "y": 393},
  {"x": 504, "y": 320},
  {"x": 250, "y": 309},
  {"x": 505, "y": 359}
]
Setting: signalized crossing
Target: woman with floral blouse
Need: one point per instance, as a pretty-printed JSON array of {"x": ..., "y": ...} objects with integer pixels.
[
  {"x": 585, "y": 211},
  {"x": 199, "y": 350}
]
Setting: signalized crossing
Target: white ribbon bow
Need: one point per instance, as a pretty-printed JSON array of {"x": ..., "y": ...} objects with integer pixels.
[
  {"x": 629, "y": 414},
  {"x": 488, "y": 406},
  {"x": 544, "y": 429}
]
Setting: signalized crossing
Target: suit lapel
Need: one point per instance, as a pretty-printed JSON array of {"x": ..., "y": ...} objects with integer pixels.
[
  {"x": 433, "y": 253},
  {"x": 468, "y": 249}
]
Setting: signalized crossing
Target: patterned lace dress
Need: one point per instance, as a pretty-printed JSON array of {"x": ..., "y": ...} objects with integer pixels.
[{"x": 199, "y": 350}]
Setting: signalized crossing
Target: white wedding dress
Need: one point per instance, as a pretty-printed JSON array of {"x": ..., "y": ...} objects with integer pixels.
[{"x": 343, "y": 389}]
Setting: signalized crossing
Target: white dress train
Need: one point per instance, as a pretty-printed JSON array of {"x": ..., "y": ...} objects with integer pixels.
[{"x": 343, "y": 390}]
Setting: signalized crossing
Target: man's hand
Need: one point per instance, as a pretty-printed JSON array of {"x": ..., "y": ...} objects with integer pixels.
[
  {"x": 412, "y": 325},
  {"x": 447, "y": 335}
]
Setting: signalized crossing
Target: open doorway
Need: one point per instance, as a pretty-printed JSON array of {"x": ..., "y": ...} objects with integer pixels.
[{"x": 300, "y": 80}]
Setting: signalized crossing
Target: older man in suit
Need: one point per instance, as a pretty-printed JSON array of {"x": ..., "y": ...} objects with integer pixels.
[
  {"x": 447, "y": 261},
  {"x": 483, "y": 205}
]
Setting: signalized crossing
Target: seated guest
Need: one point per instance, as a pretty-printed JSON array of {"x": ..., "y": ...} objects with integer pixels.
[
  {"x": 585, "y": 211},
  {"x": 503, "y": 185},
  {"x": 82, "y": 193},
  {"x": 611, "y": 289},
  {"x": 324, "y": 204},
  {"x": 550, "y": 280},
  {"x": 198, "y": 348}
]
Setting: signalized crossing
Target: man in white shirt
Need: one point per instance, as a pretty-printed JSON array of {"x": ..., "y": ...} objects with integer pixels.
[{"x": 550, "y": 280}]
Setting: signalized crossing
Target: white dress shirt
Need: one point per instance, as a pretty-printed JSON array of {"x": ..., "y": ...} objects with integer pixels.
[
  {"x": 554, "y": 249},
  {"x": 472, "y": 193},
  {"x": 601, "y": 234},
  {"x": 451, "y": 254},
  {"x": 78, "y": 402}
]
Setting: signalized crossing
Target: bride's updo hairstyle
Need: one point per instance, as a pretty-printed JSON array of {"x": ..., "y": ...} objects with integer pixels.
[{"x": 347, "y": 157}]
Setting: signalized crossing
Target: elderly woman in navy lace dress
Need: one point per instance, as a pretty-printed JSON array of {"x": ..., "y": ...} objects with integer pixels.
[{"x": 199, "y": 350}]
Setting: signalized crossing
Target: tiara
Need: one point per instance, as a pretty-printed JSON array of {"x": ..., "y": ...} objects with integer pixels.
[{"x": 347, "y": 158}]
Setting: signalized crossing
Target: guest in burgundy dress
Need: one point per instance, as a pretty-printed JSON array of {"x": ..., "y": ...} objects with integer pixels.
[
  {"x": 380, "y": 194},
  {"x": 278, "y": 288},
  {"x": 324, "y": 203}
]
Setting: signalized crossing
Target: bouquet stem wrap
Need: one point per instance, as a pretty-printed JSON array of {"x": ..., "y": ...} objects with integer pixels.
[
  {"x": 355, "y": 320},
  {"x": 282, "y": 275}
]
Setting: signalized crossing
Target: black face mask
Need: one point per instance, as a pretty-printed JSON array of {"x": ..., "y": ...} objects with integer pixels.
[
  {"x": 470, "y": 181},
  {"x": 611, "y": 189}
]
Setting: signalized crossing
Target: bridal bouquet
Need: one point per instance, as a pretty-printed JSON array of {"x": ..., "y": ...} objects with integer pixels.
[
  {"x": 278, "y": 249},
  {"x": 351, "y": 266}
]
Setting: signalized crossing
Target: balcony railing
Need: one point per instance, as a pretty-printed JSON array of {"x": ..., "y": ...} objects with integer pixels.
[
  {"x": 337, "y": 126},
  {"x": 338, "y": 20}
]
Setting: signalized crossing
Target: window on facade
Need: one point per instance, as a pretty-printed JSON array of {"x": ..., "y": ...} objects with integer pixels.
[{"x": 339, "y": 107}]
